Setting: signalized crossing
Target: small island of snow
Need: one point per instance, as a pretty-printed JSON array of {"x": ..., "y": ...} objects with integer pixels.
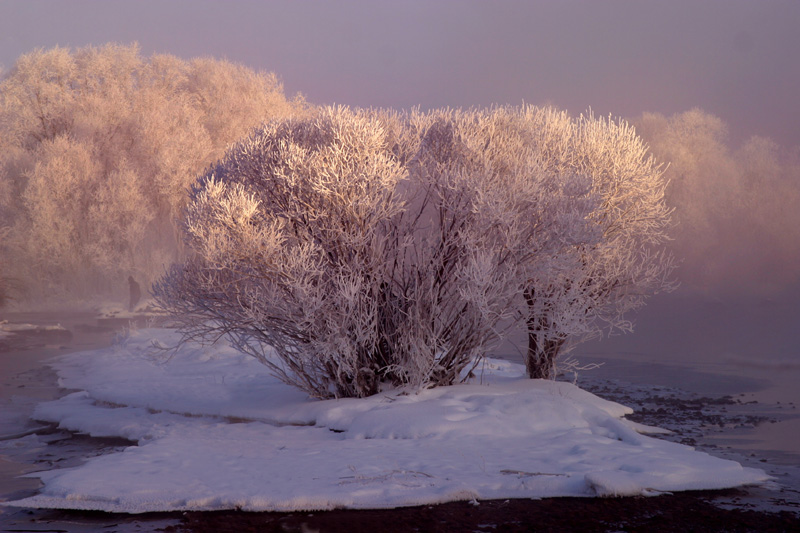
[{"x": 214, "y": 430}]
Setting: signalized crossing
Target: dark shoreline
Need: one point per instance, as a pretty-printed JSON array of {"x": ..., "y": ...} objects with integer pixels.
[{"x": 683, "y": 511}]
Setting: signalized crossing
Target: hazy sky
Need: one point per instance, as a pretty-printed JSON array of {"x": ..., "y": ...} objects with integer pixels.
[{"x": 737, "y": 59}]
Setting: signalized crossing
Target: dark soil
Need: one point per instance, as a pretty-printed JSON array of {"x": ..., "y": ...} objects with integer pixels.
[
  {"x": 679, "y": 512},
  {"x": 685, "y": 511}
]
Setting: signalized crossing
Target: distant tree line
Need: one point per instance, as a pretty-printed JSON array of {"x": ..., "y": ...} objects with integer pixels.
[
  {"x": 737, "y": 221},
  {"x": 98, "y": 147}
]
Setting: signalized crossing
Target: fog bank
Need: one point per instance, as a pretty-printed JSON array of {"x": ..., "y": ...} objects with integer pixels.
[{"x": 733, "y": 58}]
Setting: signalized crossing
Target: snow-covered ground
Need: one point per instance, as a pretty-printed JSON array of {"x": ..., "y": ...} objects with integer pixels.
[
  {"x": 7, "y": 329},
  {"x": 213, "y": 430},
  {"x": 112, "y": 309}
]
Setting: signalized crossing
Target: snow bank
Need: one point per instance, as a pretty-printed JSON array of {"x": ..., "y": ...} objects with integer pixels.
[
  {"x": 7, "y": 328},
  {"x": 215, "y": 431}
]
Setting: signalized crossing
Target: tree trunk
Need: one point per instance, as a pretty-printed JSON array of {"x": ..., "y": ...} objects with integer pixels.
[
  {"x": 543, "y": 344},
  {"x": 542, "y": 354}
]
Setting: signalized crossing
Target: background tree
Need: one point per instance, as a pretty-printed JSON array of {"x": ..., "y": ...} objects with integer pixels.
[
  {"x": 737, "y": 229},
  {"x": 99, "y": 148},
  {"x": 9, "y": 288}
]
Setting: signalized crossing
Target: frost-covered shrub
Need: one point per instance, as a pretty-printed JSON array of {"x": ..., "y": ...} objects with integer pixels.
[
  {"x": 337, "y": 252},
  {"x": 355, "y": 248},
  {"x": 567, "y": 214},
  {"x": 289, "y": 232},
  {"x": 310, "y": 238}
]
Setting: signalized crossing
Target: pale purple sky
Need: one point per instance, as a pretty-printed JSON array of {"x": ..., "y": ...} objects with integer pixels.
[{"x": 737, "y": 59}]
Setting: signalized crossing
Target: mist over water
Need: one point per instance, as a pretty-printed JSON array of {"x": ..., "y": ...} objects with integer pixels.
[
  {"x": 737, "y": 235},
  {"x": 740, "y": 331}
]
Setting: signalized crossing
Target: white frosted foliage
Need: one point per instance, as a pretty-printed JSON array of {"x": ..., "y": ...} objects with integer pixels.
[{"x": 368, "y": 247}]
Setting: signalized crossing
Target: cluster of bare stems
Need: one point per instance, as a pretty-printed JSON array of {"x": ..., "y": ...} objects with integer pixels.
[{"x": 357, "y": 248}]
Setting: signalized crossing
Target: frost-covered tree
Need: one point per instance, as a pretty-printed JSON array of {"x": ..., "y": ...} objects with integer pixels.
[
  {"x": 355, "y": 248},
  {"x": 571, "y": 210},
  {"x": 344, "y": 251},
  {"x": 514, "y": 219},
  {"x": 291, "y": 233},
  {"x": 627, "y": 263},
  {"x": 99, "y": 146}
]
